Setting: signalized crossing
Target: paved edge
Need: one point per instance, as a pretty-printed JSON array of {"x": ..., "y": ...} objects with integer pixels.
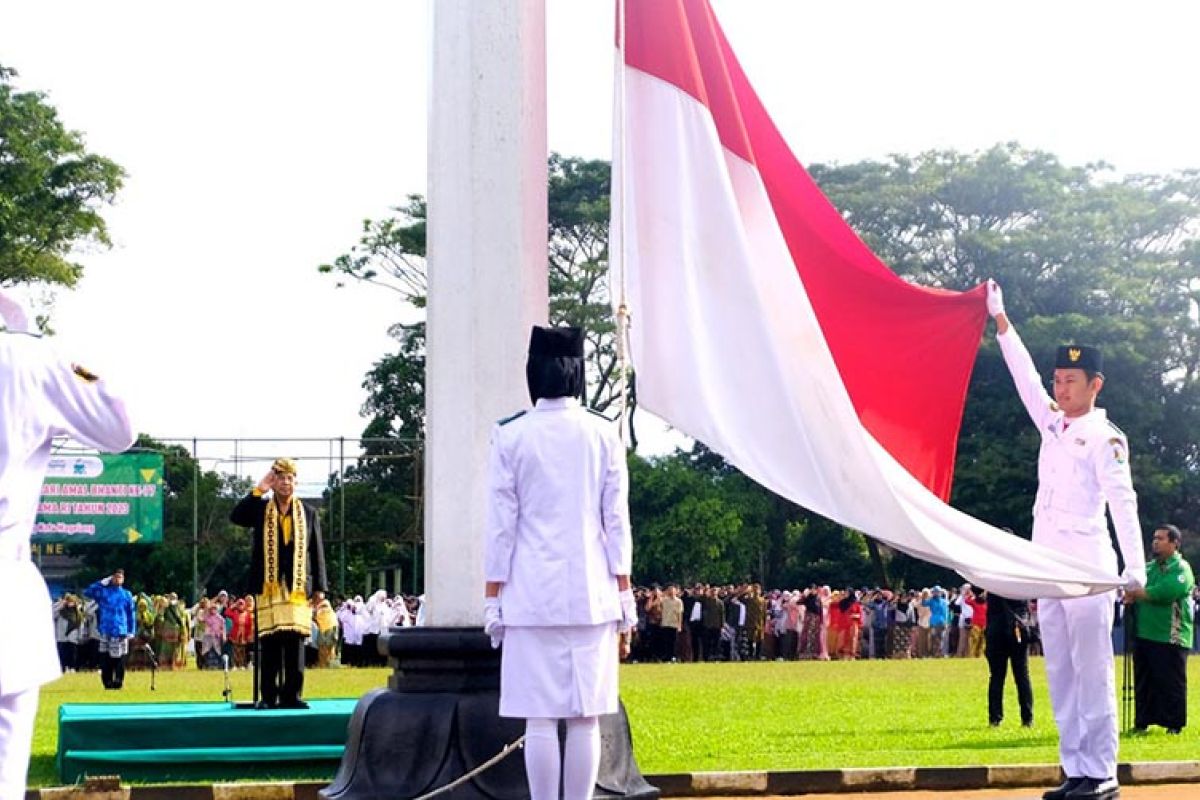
[{"x": 692, "y": 784}]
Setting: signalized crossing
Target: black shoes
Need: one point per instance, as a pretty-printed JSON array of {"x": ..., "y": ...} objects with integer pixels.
[
  {"x": 1095, "y": 789},
  {"x": 264, "y": 705},
  {"x": 294, "y": 703},
  {"x": 1062, "y": 791}
]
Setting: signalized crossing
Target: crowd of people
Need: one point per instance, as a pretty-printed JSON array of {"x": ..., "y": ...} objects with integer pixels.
[
  {"x": 742, "y": 622},
  {"x": 166, "y": 633},
  {"x": 697, "y": 623}
]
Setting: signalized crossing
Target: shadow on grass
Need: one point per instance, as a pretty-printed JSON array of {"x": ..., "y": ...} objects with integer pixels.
[
  {"x": 42, "y": 771},
  {"x": 988, "y": 743}
]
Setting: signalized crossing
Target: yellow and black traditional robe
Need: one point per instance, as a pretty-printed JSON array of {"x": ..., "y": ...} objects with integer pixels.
[{"x": 282, "y": 575}]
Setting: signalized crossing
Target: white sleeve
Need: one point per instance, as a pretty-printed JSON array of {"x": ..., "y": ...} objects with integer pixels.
[
  {"x": 501, "y": 532},
  {"x": 1037, "y": 400},
  {"x": 86, "y": 409},
  {"x": 614, "y": 508},
  {"x": 1111, "y": 461}
]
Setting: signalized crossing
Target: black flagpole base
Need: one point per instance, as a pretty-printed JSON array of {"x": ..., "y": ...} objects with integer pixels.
[{"x": 439, "y": 719}]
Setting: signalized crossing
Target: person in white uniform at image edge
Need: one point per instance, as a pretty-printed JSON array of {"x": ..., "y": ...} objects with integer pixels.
[
  {"x": 1083, "y": 463},
  {"x": 41, "y": 396},
  {"x": 556, "y": 564}
]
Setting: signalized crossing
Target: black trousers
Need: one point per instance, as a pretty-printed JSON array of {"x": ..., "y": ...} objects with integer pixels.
[
  {"x": 112, "y": 671},
  {"x": 281, "y": 677},
  {"x": 1001, "y": 652},
  {"x": 712, "y": 644},
  {"x": 1159, "y": 685},
  {"x": 666, "y": 643},
  {"x": 66, "y": 655},
  {"x": 369, "y": 655},
  {"x": 696, "y": 629}
]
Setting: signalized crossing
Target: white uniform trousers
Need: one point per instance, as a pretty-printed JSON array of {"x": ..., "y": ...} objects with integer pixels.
[
  {"x": 17, "y": 713},
  {"x": 1077, "y": 639}
]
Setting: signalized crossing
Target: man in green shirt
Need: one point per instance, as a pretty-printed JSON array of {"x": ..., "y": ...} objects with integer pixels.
[{"x": 1164, "y": 634}]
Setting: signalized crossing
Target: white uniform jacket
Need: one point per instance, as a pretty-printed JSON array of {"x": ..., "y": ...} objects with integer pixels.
[
  {"x": 1083, "y": 463},
  {"x": 558, "y": 516},
  {"x": 41, "y": 397}
]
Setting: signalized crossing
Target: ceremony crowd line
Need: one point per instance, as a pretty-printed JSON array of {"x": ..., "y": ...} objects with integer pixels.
[
  {"x": 219, "y": 630},
  {"x": 742, "y": 622},
  {"x": 697, "y": 623}
]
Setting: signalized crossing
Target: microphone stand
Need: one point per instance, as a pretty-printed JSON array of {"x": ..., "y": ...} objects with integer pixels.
[
  {"x": 1128, "y": 633},
  {"x": 153, "y": 659},
  {"x": 228, "y": 692},
  {"x": 257, "y": 656}
]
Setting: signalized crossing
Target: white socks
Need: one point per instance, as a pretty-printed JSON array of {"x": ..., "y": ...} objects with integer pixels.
[
  {"x": 542, "y": 759},
  {"x": 582, "y": 760},
  {"x": 579, "y": 766}
]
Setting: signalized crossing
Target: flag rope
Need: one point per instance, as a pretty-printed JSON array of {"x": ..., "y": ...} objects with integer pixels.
[{"x": 623, "y": 320}]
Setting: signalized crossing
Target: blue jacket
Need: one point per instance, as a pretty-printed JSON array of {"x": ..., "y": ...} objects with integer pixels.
[
  {"x": 114, "y": 612},
  {"x": 939, "y": 610}
]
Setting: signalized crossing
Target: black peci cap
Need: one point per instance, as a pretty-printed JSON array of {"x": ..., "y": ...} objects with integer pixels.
[
  {"x": 1079, "y": 356},
  {"x": 556, "y": 342}
]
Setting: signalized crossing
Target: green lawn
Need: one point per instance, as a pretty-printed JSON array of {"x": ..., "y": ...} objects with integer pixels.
[{"x": 769, "y": 716}]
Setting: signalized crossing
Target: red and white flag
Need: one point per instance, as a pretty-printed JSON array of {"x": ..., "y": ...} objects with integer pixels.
[{"x": 765, "y": 328}]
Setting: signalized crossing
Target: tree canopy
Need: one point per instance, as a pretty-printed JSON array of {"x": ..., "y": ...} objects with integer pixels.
[{"x": 52, "y": 191}]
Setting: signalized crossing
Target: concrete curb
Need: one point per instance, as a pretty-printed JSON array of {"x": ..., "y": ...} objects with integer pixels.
[{"x": 705, "y": 784}]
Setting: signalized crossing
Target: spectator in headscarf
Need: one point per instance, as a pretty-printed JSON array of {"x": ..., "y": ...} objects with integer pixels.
[{"x": 68, "y": 628}]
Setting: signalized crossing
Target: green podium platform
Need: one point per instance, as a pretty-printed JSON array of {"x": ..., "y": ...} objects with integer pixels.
[{"x": 168, "y": 742}]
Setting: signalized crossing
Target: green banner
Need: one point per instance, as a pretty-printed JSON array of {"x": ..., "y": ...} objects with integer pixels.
[{"x": 102, "y": 499}]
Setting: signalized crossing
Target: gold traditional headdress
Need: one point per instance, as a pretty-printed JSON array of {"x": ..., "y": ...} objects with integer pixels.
[{"x": 285, "y": 466}]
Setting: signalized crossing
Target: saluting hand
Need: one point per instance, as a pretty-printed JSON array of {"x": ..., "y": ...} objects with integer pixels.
[{"x": 267, "y": 482}]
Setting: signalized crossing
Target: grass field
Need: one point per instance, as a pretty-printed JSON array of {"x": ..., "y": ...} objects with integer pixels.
[{"x": 755, "y": 716}]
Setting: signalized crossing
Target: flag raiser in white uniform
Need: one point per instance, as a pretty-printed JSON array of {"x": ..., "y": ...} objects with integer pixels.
[{"x": 41, "y": 396}]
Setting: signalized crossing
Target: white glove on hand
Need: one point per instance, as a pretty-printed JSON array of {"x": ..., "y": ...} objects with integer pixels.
[
  {"x": 995, "y": 298},
  {"x": 1133, "y": 579},
  {"x": 493, "y": 625},
  {"x": 628, "y": 612}
]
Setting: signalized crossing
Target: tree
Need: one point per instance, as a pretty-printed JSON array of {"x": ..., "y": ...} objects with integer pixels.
[
  {"x": 51, "y": 191},
  {"x": 391, "y": 253}
]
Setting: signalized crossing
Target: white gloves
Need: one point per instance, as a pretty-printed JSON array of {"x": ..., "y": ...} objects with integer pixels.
[
  {"x": 628, "y": 612},
  {"x": 995, "y": 298},
  {"x": 493, "y": 625},
  {"x": 1133, "y": 579}
]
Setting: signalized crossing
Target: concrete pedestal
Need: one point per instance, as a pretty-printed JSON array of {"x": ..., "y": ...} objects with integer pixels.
[{"x": 439, "y": 719}]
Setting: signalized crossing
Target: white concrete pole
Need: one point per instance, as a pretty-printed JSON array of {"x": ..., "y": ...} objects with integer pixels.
[{"x": 487, "y": 270}]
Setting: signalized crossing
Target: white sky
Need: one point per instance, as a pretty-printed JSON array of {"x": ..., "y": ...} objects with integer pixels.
[{"x": 258, "y": 135}]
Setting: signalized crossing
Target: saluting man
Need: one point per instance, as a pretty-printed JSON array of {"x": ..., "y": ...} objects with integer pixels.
[
  {"x": 1083, "y": 464},
  {"x": 41, "y": 396},
  {"x": 287, "y": 562},
  {"x": 556, "y": 565}
]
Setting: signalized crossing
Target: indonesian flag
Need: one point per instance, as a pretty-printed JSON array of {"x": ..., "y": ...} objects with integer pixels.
[{"x": 762, "y": 325}]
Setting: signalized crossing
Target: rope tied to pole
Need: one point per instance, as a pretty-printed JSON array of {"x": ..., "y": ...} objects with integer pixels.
[{"x": 508, "y": 750}]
